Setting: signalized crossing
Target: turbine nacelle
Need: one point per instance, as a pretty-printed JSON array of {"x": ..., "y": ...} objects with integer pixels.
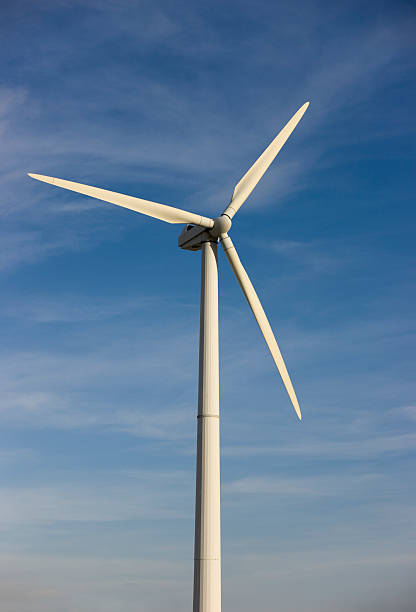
[{"x": 192, "y": 236}]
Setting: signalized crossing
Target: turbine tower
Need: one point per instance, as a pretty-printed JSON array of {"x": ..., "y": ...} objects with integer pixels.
[{"x": 203, "y": 233}]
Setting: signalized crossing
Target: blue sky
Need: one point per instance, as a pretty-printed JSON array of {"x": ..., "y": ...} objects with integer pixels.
[{"x": 173, "y": 101}]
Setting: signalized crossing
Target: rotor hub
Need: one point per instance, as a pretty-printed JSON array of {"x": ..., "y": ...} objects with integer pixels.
[{"x": 222, "y": 225}]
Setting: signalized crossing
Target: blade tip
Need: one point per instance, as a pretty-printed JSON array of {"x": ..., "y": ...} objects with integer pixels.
[
  {"x": 41, "y": 177},
  {"x": 297, "y": 410}
]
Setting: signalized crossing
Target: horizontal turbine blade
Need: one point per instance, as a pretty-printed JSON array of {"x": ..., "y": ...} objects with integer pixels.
[
  {"x": 260, "y": 315},
  {"x": 151, "y": 209},
  {"x": 246, "y": 185}
]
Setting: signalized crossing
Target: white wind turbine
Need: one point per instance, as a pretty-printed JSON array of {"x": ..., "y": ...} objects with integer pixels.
[{"x": 203, "y": 233}]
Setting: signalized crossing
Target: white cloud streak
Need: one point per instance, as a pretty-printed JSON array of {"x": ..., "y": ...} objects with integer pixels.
[
  {"x": 118, "y": 496},
  {"x": 375, "y": 446}
]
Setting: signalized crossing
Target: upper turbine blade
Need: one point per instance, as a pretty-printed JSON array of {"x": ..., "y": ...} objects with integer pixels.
[
  {"x": 260, "y": 315},
  {"x": 151, "y": 209},
  {"x": 246, "y": 185}
]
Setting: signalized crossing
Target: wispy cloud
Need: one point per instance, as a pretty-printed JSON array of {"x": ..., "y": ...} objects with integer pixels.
[
  {"x": 15, "y": 455},
  {"x": 71, "y": 309},
  {"x": 121, "y": 496},
  {"x": 374, "y": 446},
  {"x": 314, "y": 485},
  {"x": 43, "y": 583},
  {"x": 407, "y": 412},
  {"x": 315, "y": 258}
]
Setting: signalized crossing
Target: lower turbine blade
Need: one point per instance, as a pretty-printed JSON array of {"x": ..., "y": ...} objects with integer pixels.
[
  {"x": 260, "y": 315},
  {"x": 151, "y": 209}
]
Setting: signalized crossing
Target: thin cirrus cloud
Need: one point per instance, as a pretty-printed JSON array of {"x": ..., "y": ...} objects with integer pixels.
[{"x": 376, "y": 446}]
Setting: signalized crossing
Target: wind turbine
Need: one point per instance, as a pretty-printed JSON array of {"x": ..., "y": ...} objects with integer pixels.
[{"x": 203, "y": 233}]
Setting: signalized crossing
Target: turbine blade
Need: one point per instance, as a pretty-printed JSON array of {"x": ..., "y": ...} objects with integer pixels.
[
  {"x": 151, "y": 209},
  {"x": 260, "y": 315},
  {"x": 246, "y": 185}
]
